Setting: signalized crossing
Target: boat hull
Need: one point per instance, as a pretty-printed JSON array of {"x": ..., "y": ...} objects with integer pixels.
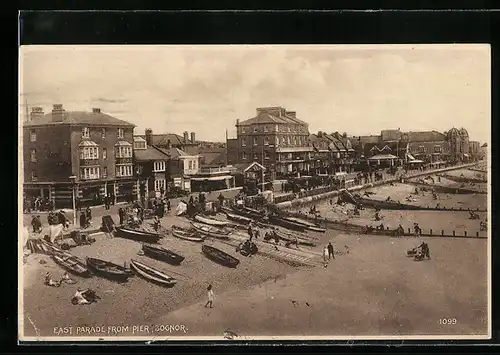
[
  {"x": 210, "y": 221},
  {"x": 108, "y": 270},
  {"x": 220, "y": 257},
  {"x": 136, "y": 235},
  {"x": 288, "y": 224},
  {"x": 161, "y": 254},
  {"x": 151, "y": 274},
  {"x": 187, "y": 235},
  {"x": 210, "y": 232},
  {"x": 72, "y": 265}
]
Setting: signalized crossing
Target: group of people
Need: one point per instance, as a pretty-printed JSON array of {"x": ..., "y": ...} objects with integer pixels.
[
  {"x": 328, "y": 253},
  {"x": 37, "y": 204},
  {"x": 86, "y": 218}
]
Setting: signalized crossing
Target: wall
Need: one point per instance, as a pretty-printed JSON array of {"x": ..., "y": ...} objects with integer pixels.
[{"x": 53, "y": 151}]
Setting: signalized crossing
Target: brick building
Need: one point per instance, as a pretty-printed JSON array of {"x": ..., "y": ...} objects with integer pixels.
[
  {"x": 90, "y": 152},
  {"x": 275, "y": 138},
  {"x": 332, "y": 153},
  {"x": 186, "y": 142}
]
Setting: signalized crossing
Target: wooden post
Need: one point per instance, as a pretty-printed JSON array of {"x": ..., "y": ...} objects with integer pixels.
[
  {"x": 442, "y": 232},
  {"x": 453, "y": 233},
  {"x": 477, "y": 234},
  {"x": 430, "y": 232},
  {"x": 465, "y": 233},
  {"x": 409, "y": 231}
]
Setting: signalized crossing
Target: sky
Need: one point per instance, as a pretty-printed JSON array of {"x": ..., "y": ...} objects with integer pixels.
[{"x": 205, "y": 89}]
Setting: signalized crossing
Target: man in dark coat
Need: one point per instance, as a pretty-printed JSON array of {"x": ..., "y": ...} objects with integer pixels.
[
  {"x": 330, "y": 251},
  {"x": 121, "y": 215},
  {"x": 88, "y": 213},
  {"x": 83, "y": 220},
  {"x": 61, "y": 218}
]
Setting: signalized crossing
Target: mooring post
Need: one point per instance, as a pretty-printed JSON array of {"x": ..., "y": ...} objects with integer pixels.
[
  {"x": 442, "y": 232},
  {"x": 465, "y": 233},
  {"x": 453, "y": 233},
  {"x": 430, "y": 232},
  {"x": 477, "y": 234},
  {"x": 409, "y": 231}
]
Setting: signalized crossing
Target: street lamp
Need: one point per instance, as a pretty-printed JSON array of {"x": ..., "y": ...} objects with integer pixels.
[{"x": 73, "y": 182}]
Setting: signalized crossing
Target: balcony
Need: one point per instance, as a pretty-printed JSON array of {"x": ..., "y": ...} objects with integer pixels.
[
  {"x": 214, "y": 171},
  {"x": 123, "y": 160},
  {"x": 89, "y": 162}
]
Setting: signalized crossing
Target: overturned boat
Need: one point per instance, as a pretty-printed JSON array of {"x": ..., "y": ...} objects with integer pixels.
[
  {"x": 238, "y": 218},
  {"x": 138, "y": 235},
  {"x": 152, "y": 274},
  {"x": 187, "y": 234},
  {"x": 210, "y": 221},
  {"x": 108, "y": 270},
  {"x": 309, "y": 225},
  {"x": 72, "y": 264},
  {"x": 219, "y": 256},
  {"x": 162, "y": 254},
  {"x": 278, "y": 221},
  {"x": 211, "y": 231}
]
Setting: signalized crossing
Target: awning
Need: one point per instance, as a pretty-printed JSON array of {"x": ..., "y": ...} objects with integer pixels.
[
  {"x": 416, "y": 161},
  {"x": 383, "y": 157},
  {"x": 411, "y": 157},
  {"x": 212, "y": 178}
]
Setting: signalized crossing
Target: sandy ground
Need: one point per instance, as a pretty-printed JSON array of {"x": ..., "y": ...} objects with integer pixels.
[{"x": 373, "y": 290}]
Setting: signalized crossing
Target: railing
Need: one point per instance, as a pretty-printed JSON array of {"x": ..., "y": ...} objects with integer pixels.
[{"x": 216, "y": 170}]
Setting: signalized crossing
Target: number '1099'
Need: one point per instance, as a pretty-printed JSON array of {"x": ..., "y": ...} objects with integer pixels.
[{"x": 448, "y": 321}]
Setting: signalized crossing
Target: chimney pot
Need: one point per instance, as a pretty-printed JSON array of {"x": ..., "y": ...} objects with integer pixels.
[
  {"x": 96, "y": 110},
  {"x": 57, "y": 107},
  {"x": 57, "y": 113},
  {"x": 193, "y": 137},
  {"x": 186, "y": 136},
  {"x": 36, "y": 112},
  {"x": 148, "y": 132},
  {"x": 169, "y": 144}
]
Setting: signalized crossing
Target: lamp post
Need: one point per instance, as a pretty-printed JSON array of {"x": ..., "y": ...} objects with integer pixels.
[{"x": 73, "y": 181}]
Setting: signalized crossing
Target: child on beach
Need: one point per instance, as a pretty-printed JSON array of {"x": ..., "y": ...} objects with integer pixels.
[{"x": 210, "y": 297}]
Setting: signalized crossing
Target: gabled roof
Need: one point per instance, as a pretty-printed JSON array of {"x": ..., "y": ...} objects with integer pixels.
[
  {"x": 80, "y": 118},
  {"x": 174, "y": 153},
  {"x": 150, "y": 154},
  {"x": 161, "y": 140},
  {"x": 485, "y": 145},
  {"x": 88, "y": 144},
  {"x": 122, "y": 144}
]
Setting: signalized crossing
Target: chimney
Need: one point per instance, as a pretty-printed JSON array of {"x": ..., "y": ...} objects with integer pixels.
[
  {"x": 36, "y": 112},
  {"x": 169, "y": 144},
  {"x": 57, "y": 113},
  {"x": 291, "y": 114},
  {"x": 320, "y": 134},
  {"x": 193, "y": 138},
  {"x": 237, "y": 122},
  {"x": 96, "y": 110},
  {"x": 149, "y": 136},
  {"x": 186, "y": 136}
]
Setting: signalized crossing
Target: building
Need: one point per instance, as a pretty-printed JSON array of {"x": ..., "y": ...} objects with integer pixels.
[
  {"x": 276, "y": 139},
  {"x": 459, "y": 145},
  {"x": 151, "y": 167},
  {"x": 186, "y": 142},
  {"x": 475, "y": 150},
  {"x": 430, "y": 147},
  {"x": 232, "y": 150},
  {"x": 332, "y": 153},
  {"x": 484, "y": 151},
  {"x": 181, "y": 166},
  {"x": 89, "y": 153}
]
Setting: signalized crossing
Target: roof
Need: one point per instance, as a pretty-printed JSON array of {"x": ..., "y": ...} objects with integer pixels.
[
  {"x": 382, "y": 157},
  {"x": 266, "y": 117},
  {"x": 213, "y": 156},
  {"x": 484, "y": 145},
  {"x": 80, "y": 118},
  {"x": 150, "y": 153},
  {"x": 425, "y": 136},
  {"x": 122, "y": 144},
  {"x": 242, "y": 167},
  {"x": 390, "y": 134},
  {"x": 173, "y": 152},
  {"x": 88, "y": 144},
  {"x": 161, "y": 140}
]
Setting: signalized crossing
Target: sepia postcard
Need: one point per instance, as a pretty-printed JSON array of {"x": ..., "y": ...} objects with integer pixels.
[{"x": 285, "y": 192}]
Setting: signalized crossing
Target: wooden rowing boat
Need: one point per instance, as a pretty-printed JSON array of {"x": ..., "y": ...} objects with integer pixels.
[
  {"x": 219, "y": 256},
  {"x": 72, "y": 264},
  {"x": 287, "y": 224},
  {"x": 162, "y": 254},
  {"x": 291, "y": 239},
  {"x": 187, "y": 234},
  {"x": 237, "y": 218},
  {"x": 108, "y": 269},
  {"x": 248, "y": 212},
  {"x": 309, "y": 225},
  {"x": 152, "y": 274},
  {"x": 211, "y": 231},
  {"x": 210, "y": 221},
  {"x": 138, "y": 235}
]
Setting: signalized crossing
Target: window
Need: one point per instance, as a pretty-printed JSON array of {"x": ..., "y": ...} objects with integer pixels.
[
  {"x": 255, "y": 157},
  {"x": 105, "y": 171},
  {"x": 266, "y": 140},
  {"x": 283, "y": 140},
  {"x": 124, "y": 152},
  {"x": 159, "y": 166},
  {"x": 89, "y": 173},
  {"x": 254, "y": 140},
  {"x": 190, "y": 164},
  {"x": 438, "y": 149},
  {"x": 255, "y": 130},
  {"x": 33, "y": 155},
  {"x": 33, "y": 135},
  {"x": 140, "y": 145},
  {"x": 421, "y": 149},
  {"x": 140, "y": 169},
  {"x": 266, "y": 155},
  {"x": 104, "y": 153},
  {"x": 119, "y": 133},
  {"x": 288, "y": 140},
  {"x": 276, "y": 128},
  {"x": 103, "y": 133},
  {"x": 124, "y": 170},
  {"x": 34, "y": 176},
  {"x": 242, "y": 129},
  {"x": 89, "y": 153},
  {"x": 159, "y": 184},
  {"x": 265, "y": 129},
  {"x": 243, "y": 142},
  {"x": 85, "y": 132},
  {"x": 243, "y": 156},
  {"x": 277, "y": 141},
  {"x": 288, "y": 129}
]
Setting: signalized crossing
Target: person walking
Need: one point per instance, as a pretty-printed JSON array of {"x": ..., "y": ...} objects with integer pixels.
[
  {"x": 325, "y": 255},
  {"x": 210, "y": 294},
  {"x": 330, "y": 251},
  {"x": 88, "y": 213},
  {"x": 121, "y": 214}
]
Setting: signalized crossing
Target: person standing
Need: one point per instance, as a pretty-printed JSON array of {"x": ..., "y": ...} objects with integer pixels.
[
  {"x": 168, "y": 205},
  {"x": 121, "y": 215},
  {"x": 88, "y": 213},
  {"x": 330, "y": 251},
  {"x": 325, "y": 255},
  {"x": 210, "y": 294}
]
